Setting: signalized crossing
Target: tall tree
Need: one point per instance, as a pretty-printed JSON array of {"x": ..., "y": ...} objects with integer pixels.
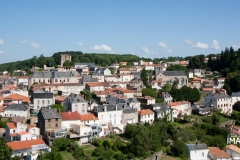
[
  {"x": 5, "y": 150},
  {"x": 144, "y": 77}
]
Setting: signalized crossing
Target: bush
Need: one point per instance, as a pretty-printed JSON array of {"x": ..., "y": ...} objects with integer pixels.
[
  {"x": 107, "y": 144},
  {"x": 130, "y": 155},
  {"x": 97, "y": 142},
  {"x": 61, "y": 144},
  {"x": 98, "y": 152},
  {"x": 119, "y": 156}
]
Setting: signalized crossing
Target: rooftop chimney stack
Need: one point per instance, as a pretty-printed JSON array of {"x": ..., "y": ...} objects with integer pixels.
[{"x": 105, "y": 108}]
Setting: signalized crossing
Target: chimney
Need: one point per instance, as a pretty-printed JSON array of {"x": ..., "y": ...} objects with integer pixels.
[{"x": 105, "y": 108}]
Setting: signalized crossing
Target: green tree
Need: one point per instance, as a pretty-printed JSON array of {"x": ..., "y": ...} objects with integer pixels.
[
  {"x": 144, "y": 77},
  {"x": 150, "y": 92},
  {"x": 236, "y": 106},
  {"x": 67, "y": 64},
  {"x": 178, "y": 147},
  {"x": 58, "y": 106},
  {"x": 166, "y": 88},
  {"x": 5, "y": 150},
  {"x": 215, "y": 119},
  {"x": 87, "y": 94},
  {"x": 61, "y": 144}
]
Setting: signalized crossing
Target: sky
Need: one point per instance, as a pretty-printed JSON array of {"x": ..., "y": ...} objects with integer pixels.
[{"x": 152, "y": 29}]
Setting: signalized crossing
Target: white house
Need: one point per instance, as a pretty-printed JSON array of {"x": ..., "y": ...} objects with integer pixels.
[
  {"x": 42, "y": 99},
  {"x": 219, "y": 101},
  {"x": 16, "y": 110},
  {"x": 83, "y": 132},
  {"x": 183, "y": 107},
  {"x": 126, "y": 77},
  {"x": 69, "y": 118},
  {"x": 197, "y": 151},
  {"x": 30, "y": 149},
  {"x": 74, "y": 102},
  {"x": 109, "y": 114},
  {"x": 88, "y": 119},
  {"x": 23, "y": 80},
  {"x": 18, "y": 131},
  {"x": 146, "y": 116},
  {"x": 95, "y": 86}
]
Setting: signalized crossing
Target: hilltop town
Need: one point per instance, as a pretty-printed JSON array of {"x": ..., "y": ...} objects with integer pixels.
[{"x": 179, "y": 108}]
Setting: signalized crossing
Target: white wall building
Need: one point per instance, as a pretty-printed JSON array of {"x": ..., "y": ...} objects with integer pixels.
[{"x": 197, "y": 151}]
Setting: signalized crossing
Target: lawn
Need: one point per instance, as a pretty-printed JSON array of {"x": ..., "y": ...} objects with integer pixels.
[
  {"x": 223, "y": 119},
  {"x": 66, "y": 155}
]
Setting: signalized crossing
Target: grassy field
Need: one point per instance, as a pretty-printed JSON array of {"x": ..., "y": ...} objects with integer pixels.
[{"x": 66, "y": 155}]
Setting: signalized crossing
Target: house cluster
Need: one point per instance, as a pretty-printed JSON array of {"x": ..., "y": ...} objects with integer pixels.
[
  {"x": 117, "y": 95},
  {"x": 199, "y": 151}
]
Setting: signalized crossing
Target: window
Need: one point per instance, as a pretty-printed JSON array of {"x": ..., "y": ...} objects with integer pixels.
[
  {"x": 43, "y": 101},
  {"x": 114, "y": 115},
  {"x": 38, "y": 101},
  {"x": 67, "y": 80},
  {"x": 37, "y": 107},
  {"x": 110, "y": 116},
  {"x": 48, "y": 101},
  {"x": 83, "y": 106},
  {"x": 56, "y": 80},
  {"x": 49, "y": 120},
  {"x": 33, "y": 131},
  {"x": 56, "y": 120},
  {"x": 102, "y": 117},
  {"x": 49, "y": 125},
  {"x": 21, "y": 129},
  {"x": 203, "y": 154},
  {"x": 76, "y": 107},
  {"x": 56, "y": 125}
]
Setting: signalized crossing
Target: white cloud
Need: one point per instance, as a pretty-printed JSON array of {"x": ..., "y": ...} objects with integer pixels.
[
  {"x": 200, "y": 45},
  {"x": 187, "y": 41},
  {"x": 215, "y": 45},
  {"x": 235, "y": 47},
  {"x": 102, "y": 47},
  {"x": 23, "y": 41},
  {"x": 79, "y": 44},
  {"x": 145, "y": 49},
  {"x": 1, "y": 41},
  {"x": 1, "y": 52},
  {"x": 163, "y": 45},
  {"x": 168, "y": 50},
  {"x": 35, "y": 45}
]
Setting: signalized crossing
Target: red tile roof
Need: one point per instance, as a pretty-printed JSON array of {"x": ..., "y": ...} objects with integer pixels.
[
  {"x": 177, "y": 103},
  {"x": 94, "y": 84},
  {"x": 69, "y": 116},
  {"x": 234, "y": 148},
  {"x": 87, "y": 117},
  {"x": 20, "y": 145},
  {"x": 216, "y": 152},
  {"x": 145, "y": 111},
  {"x": 60, "y": 98},
  {"x": 11, "y": 125},
  {"x": 13, "y": 134},
  {"x": 1, "y": 108},
  {"x": 17, "y": 97}
]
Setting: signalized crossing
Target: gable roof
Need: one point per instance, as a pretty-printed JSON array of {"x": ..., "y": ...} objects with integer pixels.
[
  {"x": 42, "y": 95},
  {"x": 234, "y": 148},
  {"x": 145, "y": 111},
  {"x": 67, "y": 116},
  {"x": 20, "y": 145},
  {"x": 52, "y": 74},
  {"x": 11, "y": 125},
  {"x": 16, "y": 96},
  {"x": 216, "y": 152},
  {"x": 94, "y": 84},
  {"x": 175, "y": 73},
  {"x": 197, "y": 146},
  {"x": 49, "y": 113},
  {"x": 109, "y": 107},
  {"x": 172, "y": 104},
  {"x": 87, "y": 117},
  {"x": 16, "y": 107}
]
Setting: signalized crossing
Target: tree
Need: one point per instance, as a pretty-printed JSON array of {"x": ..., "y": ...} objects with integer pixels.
[
  {"x": 5, "y": 150},
  {"x": 150, "y": 92},
  {"x": 58, "y": 106},
  {"x": 87, "y": 94},
  {"x": 144, "y": 77},
  {"x": 166, "y": 88},
  {"x": 67, "y": 64},
  {"x": 236, "y": 106},
  {"x": 61, "y": 144}
]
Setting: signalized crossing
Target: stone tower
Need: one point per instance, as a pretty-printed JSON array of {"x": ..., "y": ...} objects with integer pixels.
[{"x": 65, "y": 57}]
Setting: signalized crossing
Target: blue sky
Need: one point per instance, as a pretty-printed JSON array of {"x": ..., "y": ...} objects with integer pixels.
[{"x": 153, "y": 29}]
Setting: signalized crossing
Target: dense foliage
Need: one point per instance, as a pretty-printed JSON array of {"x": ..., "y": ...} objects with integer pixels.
[
  {"x": 58, "y": 106},
  {"x": 5, "y": 151}
]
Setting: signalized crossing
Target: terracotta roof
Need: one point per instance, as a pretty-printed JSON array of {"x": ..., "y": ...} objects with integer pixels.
[
  {"x": 68, "y": 116},
  {"x": 148, "y": 97},
  {"x": 17, "y": 97},
  {"x": 124, "y": 90},
  {"x": 87, "y": 117},
  {"x": 11, "y": 125},
  {"x": 20, "y": 145},
  {"x": 60, "y": 98},
  {"x": 145, "y": 111},
  {"x": 234, "y": 148},
  {"x": 208, "y": 89},
  {"x": 177, "y": 103},
  {"x": 101, "y": 92},
  {"x": 1, "y": 98},
  {"x": 216, "y": 152},
  {"x": 94, "y": 84},
  {"x": 23, "y": 133},
  {"x": 124, "y": 69}
]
